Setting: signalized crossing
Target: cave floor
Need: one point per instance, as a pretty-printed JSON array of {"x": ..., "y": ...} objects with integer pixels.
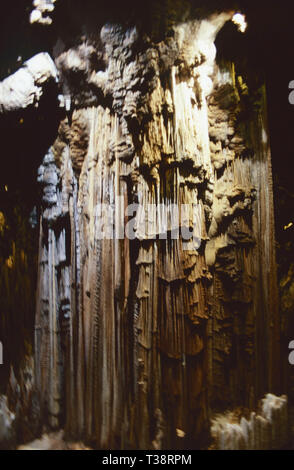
[{"x": 53, "y": 441}]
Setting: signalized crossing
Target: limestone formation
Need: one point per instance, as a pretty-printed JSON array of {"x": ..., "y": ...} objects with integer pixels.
[
  {"x": 41, "y": 13},
  {"x": 265, "y": 431},
  {"x": 25, "y": 87},
  {"x": 139, "y": 337},
  {"x": 131, "y": 334}
]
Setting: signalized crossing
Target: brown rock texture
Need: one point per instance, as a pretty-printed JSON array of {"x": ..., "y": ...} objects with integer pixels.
[
  {"x": 267, "y": 429},
  {"x": 136, "y": 339}
]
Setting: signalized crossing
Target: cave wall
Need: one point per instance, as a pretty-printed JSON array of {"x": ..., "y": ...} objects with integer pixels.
[{"x": 136, "y": 340}]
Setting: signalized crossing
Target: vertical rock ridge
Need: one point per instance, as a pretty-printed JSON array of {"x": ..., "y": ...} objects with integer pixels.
[{"x": 136, "y": 337}]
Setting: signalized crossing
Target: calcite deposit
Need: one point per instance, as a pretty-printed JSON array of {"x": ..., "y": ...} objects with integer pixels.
[
  {"x": 25, "y": 87},
  {"x": 138, "y": 338},
  {"x": 134, "y": 336},
  {"x": 266, "y": 430}
]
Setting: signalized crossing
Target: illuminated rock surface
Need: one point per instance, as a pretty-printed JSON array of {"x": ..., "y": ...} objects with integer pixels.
[
  {"x": 137, "y": 340},
  {"x": 25, "y": 87},
  {"x": 265, "y": 430}
]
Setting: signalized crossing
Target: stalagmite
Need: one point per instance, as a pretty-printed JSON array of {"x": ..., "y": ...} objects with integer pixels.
[{"x": 265, "y": 431}]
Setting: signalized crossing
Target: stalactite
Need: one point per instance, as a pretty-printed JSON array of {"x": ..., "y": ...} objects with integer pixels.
[
  {"x": 26, "y": 86},
  {"x": 156, "y": 293},
  {"x": 136, "y": 337}
]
